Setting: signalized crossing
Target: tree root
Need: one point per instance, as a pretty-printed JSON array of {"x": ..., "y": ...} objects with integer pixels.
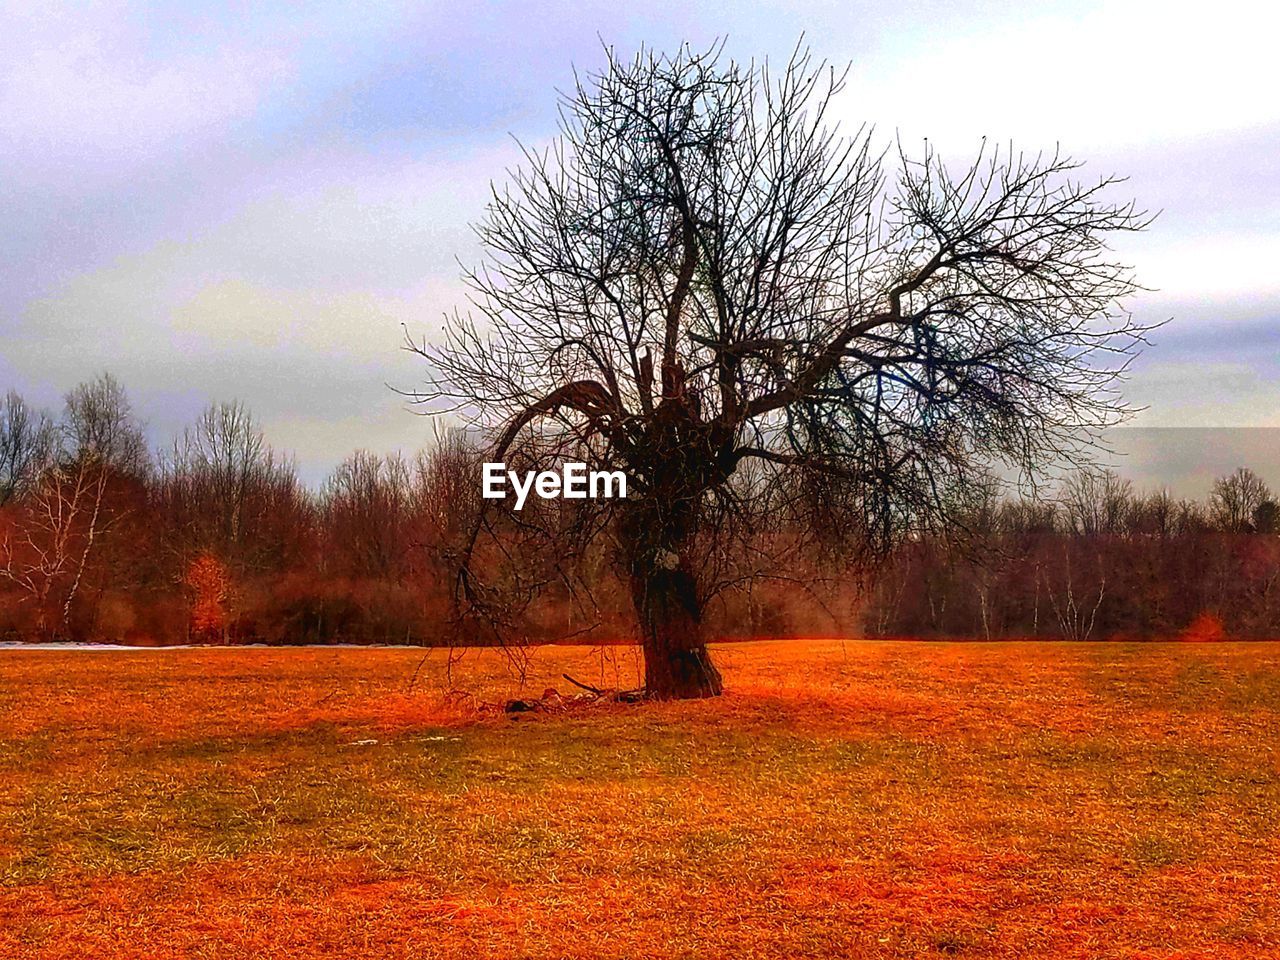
[{"x": 552, "y": 702}]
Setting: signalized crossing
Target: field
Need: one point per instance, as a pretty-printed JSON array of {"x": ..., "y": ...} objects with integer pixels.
[{"x": 851, "y": 799}]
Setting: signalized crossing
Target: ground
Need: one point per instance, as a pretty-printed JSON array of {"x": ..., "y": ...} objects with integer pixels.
[{"x": 843, "y": 799}]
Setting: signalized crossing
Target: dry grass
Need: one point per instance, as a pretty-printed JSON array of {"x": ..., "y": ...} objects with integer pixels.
[{"x": 843, "y": 800}]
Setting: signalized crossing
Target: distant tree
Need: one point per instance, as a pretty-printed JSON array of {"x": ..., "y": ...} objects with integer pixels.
[
  {"x": 366, "y": 503},
  {"x": 444, "y": 501},
  {"x": 1155, "y": 515},
  {"x": 445, "y": 497},
  {"x": 26, "y": 444},
  {"x": 1237, "y": 499},
  {"x": 1266, "y": 517},
  {"x": 1097, "y": 503},
  {"x": 224, "y": 490},
  {"x": 96, "y": 449},
  {"x": 702, "y": 272},
  {"x": 206, "y": 579},
  {"x": 98, "y": 426}
]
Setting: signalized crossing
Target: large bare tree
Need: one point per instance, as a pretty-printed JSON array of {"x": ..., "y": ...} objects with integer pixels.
[{"x": 702, "y": 272}]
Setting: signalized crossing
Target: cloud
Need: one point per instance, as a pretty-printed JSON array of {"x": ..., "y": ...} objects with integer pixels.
[
  {"x": 349, "y": 228},
  {"x": 222, "y": 201},
  {"x": 288, "y": 353},
  {"x": 324, "y": 364},
  {"x": 298, "y": 304},
  {"x": 1186, "y": 391},
  {"x": 85, "y": 97},
  {"x": 1093, "y": 75},
  {"x": 1187, "y": 460}
]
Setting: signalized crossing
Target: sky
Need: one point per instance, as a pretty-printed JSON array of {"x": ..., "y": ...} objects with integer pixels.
[{"x": 255, "y": 201}]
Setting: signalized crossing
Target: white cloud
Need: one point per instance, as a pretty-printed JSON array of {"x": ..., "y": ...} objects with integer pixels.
[
  {"x": 1105, "y": 75},
  {"x": 384, "y": 426},
  {"x": 297, "y": 304},
  {"x": 82, "y": 96},
  {"x": 149, "y": 312},
  {"x": 311, "y": 263},
  {"x": 1216, "y": 264},
  {"x": 1192, "y": 393}
]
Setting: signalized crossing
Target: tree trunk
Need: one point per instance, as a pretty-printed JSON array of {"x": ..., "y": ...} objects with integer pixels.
[
  {"x": 659, "y": 530},
  {"x": 677, "y": 665}
]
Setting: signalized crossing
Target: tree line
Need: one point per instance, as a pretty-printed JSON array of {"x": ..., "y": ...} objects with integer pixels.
[
  {"x": 214, "y": 539},
  {"x": 1097, "y": 560}
]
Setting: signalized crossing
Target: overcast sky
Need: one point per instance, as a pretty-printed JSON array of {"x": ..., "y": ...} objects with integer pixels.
[{"x": 253, "y": 201}]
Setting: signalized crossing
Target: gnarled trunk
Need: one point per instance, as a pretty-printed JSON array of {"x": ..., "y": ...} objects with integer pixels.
[
  {"x": 665, "y": 593},
  {"x": 677, "y": 665}
]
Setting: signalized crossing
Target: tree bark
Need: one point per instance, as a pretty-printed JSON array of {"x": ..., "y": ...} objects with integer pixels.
[{"x": 677, "y": 664}]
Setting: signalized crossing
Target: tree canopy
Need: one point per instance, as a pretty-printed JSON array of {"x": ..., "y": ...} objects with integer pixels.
[{"x": 704, "y": 271}]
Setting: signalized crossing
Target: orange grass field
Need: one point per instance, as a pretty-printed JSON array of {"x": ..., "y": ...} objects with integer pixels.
[{"x": 843, "y": 799}]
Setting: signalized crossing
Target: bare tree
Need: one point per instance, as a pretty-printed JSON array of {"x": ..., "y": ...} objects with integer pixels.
[
  {"x": 98, "y": 426},
  {"x": 1266, "y": 517},
  {"x": 444, "y": 495},
  {"x": 225, "y": 494},
  {"x": 1239, "y": 498},
  {"x": 366, "y": 503},
  {"x": 97, "y": 447},
  {"x": 702, "y": 272},
  {"x": 226, "y": 489},
  {"x": 26, "y": 443},
  {"x": 1097, "y": 503}
]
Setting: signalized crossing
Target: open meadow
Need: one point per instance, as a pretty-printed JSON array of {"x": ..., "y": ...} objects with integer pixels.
[{"x": 843, "y": 799}]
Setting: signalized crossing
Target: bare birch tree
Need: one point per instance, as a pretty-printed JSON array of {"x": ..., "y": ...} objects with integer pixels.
[{"x": 69, "y": 511}]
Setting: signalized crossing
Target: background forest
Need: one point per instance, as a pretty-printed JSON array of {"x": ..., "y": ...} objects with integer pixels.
[{"x": 215, "y": 539}]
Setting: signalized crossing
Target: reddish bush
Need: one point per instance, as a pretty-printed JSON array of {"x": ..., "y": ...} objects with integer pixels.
[
  {"x": 1206, "y": 628},
  {"x": 210, "y": 587}
]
